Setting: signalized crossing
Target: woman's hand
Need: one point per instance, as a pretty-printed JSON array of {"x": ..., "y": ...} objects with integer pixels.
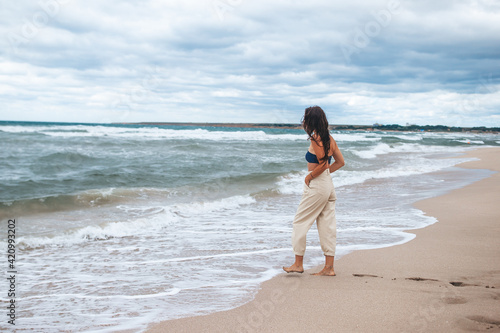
[{"x": 308, "y": 179}]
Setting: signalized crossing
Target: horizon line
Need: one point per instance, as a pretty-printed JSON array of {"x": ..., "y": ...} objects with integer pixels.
[{"x": 179, "y": 123}]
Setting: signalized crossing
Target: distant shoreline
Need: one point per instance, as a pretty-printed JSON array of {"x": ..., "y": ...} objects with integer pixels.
[
  {"x": 394, "y": 127},
  {"x": 374, "y": 127}
]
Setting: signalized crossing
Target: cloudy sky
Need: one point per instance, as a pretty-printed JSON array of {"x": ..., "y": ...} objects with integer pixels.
[{"x": 422, "y": 61}]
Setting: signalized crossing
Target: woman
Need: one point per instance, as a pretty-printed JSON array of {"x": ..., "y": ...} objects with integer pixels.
[{"x": 318, "y": 200}]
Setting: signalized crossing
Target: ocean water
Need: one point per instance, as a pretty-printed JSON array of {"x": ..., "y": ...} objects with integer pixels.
[{"x": 118, "y": 226}]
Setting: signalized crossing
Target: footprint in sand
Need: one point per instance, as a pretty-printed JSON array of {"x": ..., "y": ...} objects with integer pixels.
[
  {"x": 495, "y": 296},
  {"x": 420, "y": 279},
  {"x": 455, "y": 300},
  {"x": 462, "y": 284},
  {"x": 478, "y": 323},
  {"x": 365, "y": 275}
]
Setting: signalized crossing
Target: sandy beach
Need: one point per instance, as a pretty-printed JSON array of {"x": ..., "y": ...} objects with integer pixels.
[{"x": 447, "y": 279}]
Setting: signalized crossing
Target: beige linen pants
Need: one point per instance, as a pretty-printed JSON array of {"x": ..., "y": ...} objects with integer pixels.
[{"x": 317, "y": 204}]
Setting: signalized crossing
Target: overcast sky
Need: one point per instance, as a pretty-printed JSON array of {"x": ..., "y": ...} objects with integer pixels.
[{"x": 423, "y": 62}]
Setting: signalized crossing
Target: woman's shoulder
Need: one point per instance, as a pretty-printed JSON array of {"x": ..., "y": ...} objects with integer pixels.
[{"x": 317, "y": 140}]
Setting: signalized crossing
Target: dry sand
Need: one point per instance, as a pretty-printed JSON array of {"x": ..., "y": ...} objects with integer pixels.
[{"x": 447, "y": 279}]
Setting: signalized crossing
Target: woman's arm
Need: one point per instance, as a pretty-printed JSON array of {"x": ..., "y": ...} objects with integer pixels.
[
  {"x": 322, "y": 166},
  {"x": 339, "y": 159}
]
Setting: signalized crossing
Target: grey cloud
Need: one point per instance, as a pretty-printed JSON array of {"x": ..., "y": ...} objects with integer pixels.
[{"x": 263, "y": 60}]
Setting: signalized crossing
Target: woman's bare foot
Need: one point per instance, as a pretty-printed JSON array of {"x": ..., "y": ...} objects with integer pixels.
[
  {"x": 326, "y": 271},
  {"x": 294, "y": 269}
]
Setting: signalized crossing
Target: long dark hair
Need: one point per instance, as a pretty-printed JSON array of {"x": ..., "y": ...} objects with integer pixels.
[{"x": 314, "y": 121}]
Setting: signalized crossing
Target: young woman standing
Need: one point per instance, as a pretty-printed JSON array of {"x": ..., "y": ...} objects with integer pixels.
[{"x": 318, "y": 199}]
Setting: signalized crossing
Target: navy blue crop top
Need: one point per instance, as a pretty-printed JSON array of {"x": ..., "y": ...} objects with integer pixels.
[{"x": 311, "y": 158}]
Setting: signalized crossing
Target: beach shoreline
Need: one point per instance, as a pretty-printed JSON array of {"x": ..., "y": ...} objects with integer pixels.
[{"x": 446, "y": 279}]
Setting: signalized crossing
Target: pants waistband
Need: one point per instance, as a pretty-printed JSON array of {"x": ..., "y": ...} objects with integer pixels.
[{"x": 323, "y": 174}]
